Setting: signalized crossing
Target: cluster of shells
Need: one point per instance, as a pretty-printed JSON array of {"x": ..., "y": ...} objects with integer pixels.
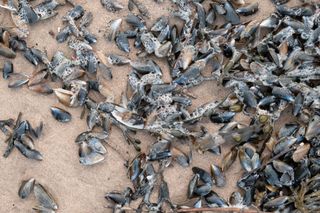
[{"x": 269, "y": 67}]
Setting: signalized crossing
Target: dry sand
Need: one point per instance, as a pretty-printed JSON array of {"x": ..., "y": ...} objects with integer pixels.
[{"x": 78, "y": 188}]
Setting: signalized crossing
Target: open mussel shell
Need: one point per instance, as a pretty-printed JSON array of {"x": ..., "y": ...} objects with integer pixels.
[
  {"x": 44, "y": 198},
  {"x": 17, "y": 80},
  {"x": 88, "y": 156},
  {"x": 60, "y": 114},
  {"x": 64, "y": 96},
  {"x": 96, "y": 146}
]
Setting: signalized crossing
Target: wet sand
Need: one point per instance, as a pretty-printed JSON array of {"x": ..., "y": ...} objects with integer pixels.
[{"x": 78, "y": 188}]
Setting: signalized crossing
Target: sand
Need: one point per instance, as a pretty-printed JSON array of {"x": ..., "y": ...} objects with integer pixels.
[{"x": 78, "y": 188}]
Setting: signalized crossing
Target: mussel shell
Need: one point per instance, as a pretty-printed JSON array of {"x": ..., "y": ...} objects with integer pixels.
[
  {"x": 30, "y": 14},
  {"x": 26, "y": 188},
  {"x": 96, "y": 146},
  {"x": 248, "y": 10},
  {"x": 90, "y": 38},
  {"x": 63, "y": 35},
  {"x": 41, "y": 88},
  {"x": 7, "y": 69},
  {"x": 60, "y": 114},
  {"x": 214, "y": 200},
  {"x": 202, "y": 190},
  {"x": 135, "y": 21},
  {"x": 17, "y": 80},
  {"x": 277, "y": 203},
  {"x": 192, "y": 185},
  {"x": 235, "y": 199},
  {"x": 218, "y": 176},
  {"x": 224, "y": 117},
  {"x": 16, "y": 43},
  {"x": 91, "y": 159},
  {"x": 76, "y": 12},
  {"x": 117, "y": 60},
  {"x": 31, "y": 57},
  {"x": 160, "y": 24},
  {"x": 204, "y": 175},
  {"x": 6, "y": 52},
  {"x": 27, "y": 152},
  {"x": 112, "y": 5},
  {"x": 4, "y": 37},
  {"x": 123, "y": 42},
  {"x": 231, "y": 15},
  {"x": 44, "y": 198},
  {"x": 116, "y": 197}
]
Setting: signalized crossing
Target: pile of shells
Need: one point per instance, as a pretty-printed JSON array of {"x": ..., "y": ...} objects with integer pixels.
[
  {"x": 269, "y": 67},
  {"x": 20, "y": 134}
]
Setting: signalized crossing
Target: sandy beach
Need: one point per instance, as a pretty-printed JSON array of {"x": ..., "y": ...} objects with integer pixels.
[{"x": 78, "y": 188}]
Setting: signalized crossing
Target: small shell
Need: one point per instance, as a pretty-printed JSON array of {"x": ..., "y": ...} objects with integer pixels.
[
  {"x": 26, "y": 188},
  {"x": 313, "y": 128},
  {"x": 41, "y": 88},
  {"x": 149, "y": 42},
  {"x": 6, "y": 52},
  {"x": 5, "y": 38},
  {"x": 96, "y": 146},
  {"x": 76, "y": 12},
  {"x": 300, "y": 152},
  {"x": 180, "y": 157},
  {"x": 160, "y": 24},
  {"x": 117, "y": 60},
  {"x": 228, "y": 159},
  {"x": 27, "y": 152},
  {"x": 248, "y": 10},
  {"x": 64, "y": 96},
  {"x": 60, "y": 114},
  {"x": 123, "y": 42},
  {"x": 114, "y": 28},
  {"x": 218, "y": 176},
  {"x": 231, "y": 15},
  {"x": 142, "y": 8},
  {"x": 37, "y": 78},
  {"x": 18, "y": 80},
  {"x": 112, "y": 5},
  {"x": 63, "y": 35},
  {"x": 204, "y": 175},
  {"x": 91, "y": 159},
  {"x": 7, "y": 69},
  {"x": 239, "y": 2}
]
